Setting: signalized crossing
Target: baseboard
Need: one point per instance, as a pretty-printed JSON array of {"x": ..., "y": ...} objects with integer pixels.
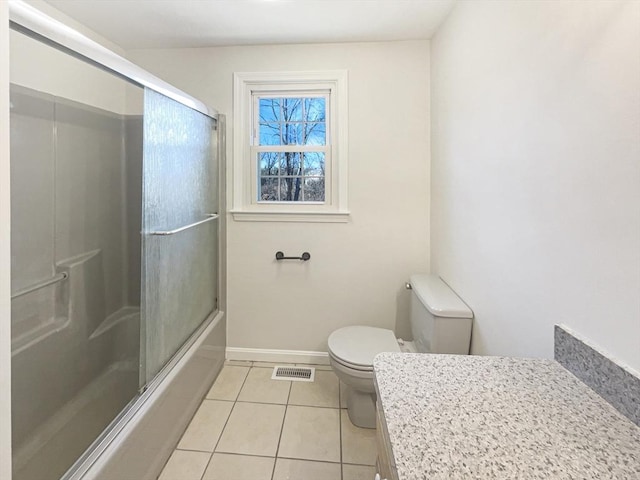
[{"x": 277, "y": 356}]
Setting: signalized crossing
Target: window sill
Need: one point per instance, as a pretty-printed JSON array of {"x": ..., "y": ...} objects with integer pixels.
[{"x": 300, "y": 217}]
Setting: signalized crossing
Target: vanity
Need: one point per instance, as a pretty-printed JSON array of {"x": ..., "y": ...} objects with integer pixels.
[{"x": 473, "y": 417}]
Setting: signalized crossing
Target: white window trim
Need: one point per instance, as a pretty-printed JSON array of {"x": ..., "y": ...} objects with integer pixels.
[{"x": 245, "y": 207}]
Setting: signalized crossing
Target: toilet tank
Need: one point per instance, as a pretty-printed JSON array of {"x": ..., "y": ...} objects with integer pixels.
[{"x": 440, "y": 320}]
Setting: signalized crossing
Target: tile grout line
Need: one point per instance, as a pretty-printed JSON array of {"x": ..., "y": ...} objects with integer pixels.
[
  {"x": 284, "y": 457},
  {"x": 340, "y": 428},
  {"x": 239, "y": 363},
  {"x": 225, "y": 423},
  {"x": 273, "y": 403},
  {"x": 286, "y": 407}
]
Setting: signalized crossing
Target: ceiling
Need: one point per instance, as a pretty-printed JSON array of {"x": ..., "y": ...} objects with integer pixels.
[{"x": 201, "y": 23}]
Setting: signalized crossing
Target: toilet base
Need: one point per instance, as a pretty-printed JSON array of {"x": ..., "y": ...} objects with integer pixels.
[{"x": 361, "y": 407}]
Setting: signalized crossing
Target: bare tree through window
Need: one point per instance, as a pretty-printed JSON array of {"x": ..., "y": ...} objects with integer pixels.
[{"x": 292, "y": 144}]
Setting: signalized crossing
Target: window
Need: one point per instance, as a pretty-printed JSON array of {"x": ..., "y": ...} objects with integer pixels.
[{"x": 290, "y": 148}]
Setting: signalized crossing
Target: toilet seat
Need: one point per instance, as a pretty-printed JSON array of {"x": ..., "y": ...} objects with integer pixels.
[
  {"x": 356, "y": 346},
  {"x": 351, "y": 366}
]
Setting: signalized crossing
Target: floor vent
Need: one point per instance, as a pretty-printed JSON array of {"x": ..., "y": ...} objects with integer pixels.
[{"x": 298, "y": 374}]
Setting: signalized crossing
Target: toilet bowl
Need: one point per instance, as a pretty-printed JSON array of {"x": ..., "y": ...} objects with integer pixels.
[
  {"x": 351, "y": 352},
  {"x": 440, "y": 323}
]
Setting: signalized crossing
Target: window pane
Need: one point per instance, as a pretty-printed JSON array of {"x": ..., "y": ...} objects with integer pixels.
[
  {"x": 292, "y": 109},
  {"x": 314, "y": 109},
  {"x": 292, "y": 176},
  {"x": 292, "y": 121},
  {"x": 268, "y": 162},
  {"x": 269, "y": 189},
  {"x": 314, "y": 164},
  {"x": 314, "y": 189},
  {"x": 290, "y": 164},
  {"x": 291, "y": 189},
  {"x": 292, "y": 134},
  {"x": 315, "y": 133},
  {"x": 270, "y": 110},
  {"x": 270, "y": 134}
]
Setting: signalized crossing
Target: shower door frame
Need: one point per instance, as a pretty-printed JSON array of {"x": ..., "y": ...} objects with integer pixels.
[{"x": 27, "y": 19}]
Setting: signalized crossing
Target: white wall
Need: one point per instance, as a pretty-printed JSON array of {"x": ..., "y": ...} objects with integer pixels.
[
  {"x": 357, "y": 270},
  {"x": 5, "y": 259},
  {"x": 536, "y": 171}
]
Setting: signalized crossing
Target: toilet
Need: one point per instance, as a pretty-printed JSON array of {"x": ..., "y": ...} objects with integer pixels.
[{"x": 440, "y": 323}]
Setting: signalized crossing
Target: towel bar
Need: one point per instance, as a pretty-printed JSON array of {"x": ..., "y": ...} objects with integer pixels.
[{"x": 304, "y": 257}]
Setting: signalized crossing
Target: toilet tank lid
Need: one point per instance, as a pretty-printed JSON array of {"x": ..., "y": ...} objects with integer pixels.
[{"x": 438, "y": 298}]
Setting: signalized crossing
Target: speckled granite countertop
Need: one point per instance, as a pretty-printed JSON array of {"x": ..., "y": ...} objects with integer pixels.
[{"x": 472, "y": 417}]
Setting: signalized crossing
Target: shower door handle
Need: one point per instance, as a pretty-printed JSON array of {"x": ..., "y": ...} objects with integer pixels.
[{"x": 210, "y": 217}]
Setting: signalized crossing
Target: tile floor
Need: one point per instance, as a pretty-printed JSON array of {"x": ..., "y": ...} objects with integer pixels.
[{"x": 250, "y": 427}]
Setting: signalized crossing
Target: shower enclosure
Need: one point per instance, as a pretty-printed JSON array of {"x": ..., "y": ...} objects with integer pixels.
[{"x": 114, "y": 240}]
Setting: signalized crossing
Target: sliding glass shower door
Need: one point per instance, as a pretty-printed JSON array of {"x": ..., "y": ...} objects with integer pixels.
[
  {"x": 76, "y": 165},
  {"x": 180, "y": 227},
  {"x": 114, "y": 249}
]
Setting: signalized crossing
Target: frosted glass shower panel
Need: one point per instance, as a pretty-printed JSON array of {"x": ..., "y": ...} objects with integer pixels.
[{"x": 179, "y": 249}]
